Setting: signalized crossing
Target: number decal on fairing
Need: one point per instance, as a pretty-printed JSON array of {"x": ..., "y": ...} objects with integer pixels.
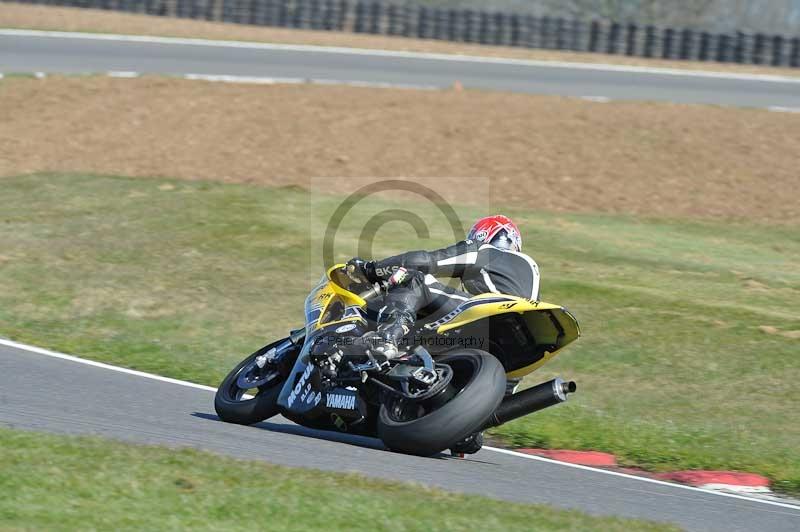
[{"x": 300, "y": 383}]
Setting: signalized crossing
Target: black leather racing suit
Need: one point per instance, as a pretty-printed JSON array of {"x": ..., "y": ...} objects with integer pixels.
[{"x": 482, "y": 268}]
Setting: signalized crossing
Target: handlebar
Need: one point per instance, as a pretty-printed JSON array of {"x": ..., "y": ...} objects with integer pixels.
[
  {"x": 339, "y": 276},
  {"x": 373, "y": 291}
]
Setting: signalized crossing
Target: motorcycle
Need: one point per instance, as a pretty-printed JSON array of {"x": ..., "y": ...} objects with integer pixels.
[{"x": 448, "y": 382}]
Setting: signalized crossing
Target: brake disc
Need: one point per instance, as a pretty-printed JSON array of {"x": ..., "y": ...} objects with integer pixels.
[
  {"x": 254, "y": 377},
  {"x": 444, "y": 376}
]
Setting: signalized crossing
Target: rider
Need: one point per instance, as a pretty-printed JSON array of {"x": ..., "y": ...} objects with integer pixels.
[{"x": 489, "y": 260}]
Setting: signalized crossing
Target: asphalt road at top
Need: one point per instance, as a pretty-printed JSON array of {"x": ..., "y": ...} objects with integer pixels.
[
  {"x": 43, "y": 393},
  {"x": 31, "y": 51}
]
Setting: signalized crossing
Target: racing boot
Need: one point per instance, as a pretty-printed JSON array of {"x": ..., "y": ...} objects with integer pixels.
[
  {"x": 395, "y": 320},
  {"x": 393, "y": 325},
  {"x": 469, "y": 445},
  {"x": 474, "y": 442},
  {"x": 397, "y": 324}
]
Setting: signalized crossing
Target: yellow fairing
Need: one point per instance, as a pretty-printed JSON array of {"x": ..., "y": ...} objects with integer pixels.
[
  {"x": 325, "y": 305},
  {"x": 338, "y": 282},
  {"x": 550, "y": 325}
]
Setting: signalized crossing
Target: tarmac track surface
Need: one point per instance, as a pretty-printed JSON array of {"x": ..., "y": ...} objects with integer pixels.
[
  {"x": 83, "y": 397},
  {"x": 57, "y": 52},
  {"x": 87, "y": 399}
]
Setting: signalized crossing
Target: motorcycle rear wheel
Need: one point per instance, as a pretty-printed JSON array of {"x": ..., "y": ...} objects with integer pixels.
[
  {"x": 477, "y": 389},
  {"x": 230, "y": 405}
]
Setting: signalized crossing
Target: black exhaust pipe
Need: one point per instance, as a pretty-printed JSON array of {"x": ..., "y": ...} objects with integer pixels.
[{"x": 531, "y": 400}]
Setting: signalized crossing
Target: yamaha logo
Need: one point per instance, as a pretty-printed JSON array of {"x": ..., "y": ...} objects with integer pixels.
[{"x": 338, "y": 400}]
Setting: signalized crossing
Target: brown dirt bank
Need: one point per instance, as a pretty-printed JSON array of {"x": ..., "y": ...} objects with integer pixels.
[
  {"x": 93, "y": 20},
  {"x": 550, "y": 153}
]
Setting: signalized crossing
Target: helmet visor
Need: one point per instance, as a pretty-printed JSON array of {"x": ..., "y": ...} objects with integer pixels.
[{"x": 502, "y": 241}]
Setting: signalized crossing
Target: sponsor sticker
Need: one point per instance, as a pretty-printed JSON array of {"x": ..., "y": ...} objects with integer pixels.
[
  {"x": 345, "y": 328},
  {"x": 341, "y": 401},
  {"x": 387, "y": 271},
  {"x": 444, "y": 319},
  {"x": 313, "y": 398},
  {"x": 300, "y": 383},
  {"x": 461, "y": 308}
]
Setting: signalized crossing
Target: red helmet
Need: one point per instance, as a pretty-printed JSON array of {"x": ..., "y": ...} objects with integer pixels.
[{"x": 498, "y": 231}]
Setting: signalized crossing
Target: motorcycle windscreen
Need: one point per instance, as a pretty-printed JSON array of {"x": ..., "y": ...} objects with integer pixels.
[
  {"x": 328, "y": 304},
  {"x": 315, "y": 303}
]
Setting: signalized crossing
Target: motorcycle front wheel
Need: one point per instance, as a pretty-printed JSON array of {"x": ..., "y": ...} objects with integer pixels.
[
  {"x": 249, "y": 394},
  {"x": 427, "y": 428}
]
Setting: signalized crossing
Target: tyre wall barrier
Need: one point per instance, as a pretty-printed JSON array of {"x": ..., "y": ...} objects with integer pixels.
[{"x": 472, "y": 26}]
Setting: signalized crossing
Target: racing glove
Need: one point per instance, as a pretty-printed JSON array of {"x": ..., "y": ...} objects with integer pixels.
[{"x": 360, "y": 270}]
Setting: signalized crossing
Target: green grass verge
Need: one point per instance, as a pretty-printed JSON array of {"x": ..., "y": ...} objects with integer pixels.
[
  {"x": 66, "y": 483},
  {"x": 689, "y": 355}
]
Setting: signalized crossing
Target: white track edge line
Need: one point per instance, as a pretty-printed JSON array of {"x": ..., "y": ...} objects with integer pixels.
[
  {"x": 252, "y": 80},
  {"x": 736, "y": 487},
  {"x": 122, "y": 74},
  {"x": 780, "y": 109},
  {"x": 403, "y": 54},
  {"x": 71, "y": 358},
  {"x": 266, "y": 80}
]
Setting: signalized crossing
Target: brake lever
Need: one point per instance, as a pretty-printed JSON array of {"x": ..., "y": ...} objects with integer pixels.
[{"x": 372, "y": 364}]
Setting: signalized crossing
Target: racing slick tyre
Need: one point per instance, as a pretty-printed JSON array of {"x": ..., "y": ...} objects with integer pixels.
[
  {"x": 477, "y": 389},
  {"x": 230, "y": 403}
]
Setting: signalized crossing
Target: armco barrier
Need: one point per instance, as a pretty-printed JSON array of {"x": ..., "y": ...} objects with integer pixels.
[{"x": 465, "y": 25}]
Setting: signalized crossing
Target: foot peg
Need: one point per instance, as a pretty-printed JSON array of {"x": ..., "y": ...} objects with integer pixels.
[{"x": 424, "y": 376}]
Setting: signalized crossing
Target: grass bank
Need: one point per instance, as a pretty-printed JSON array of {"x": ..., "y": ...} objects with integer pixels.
[
  {"x": 689, "y": 354},
  {"x": 65, "y": 483}
]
